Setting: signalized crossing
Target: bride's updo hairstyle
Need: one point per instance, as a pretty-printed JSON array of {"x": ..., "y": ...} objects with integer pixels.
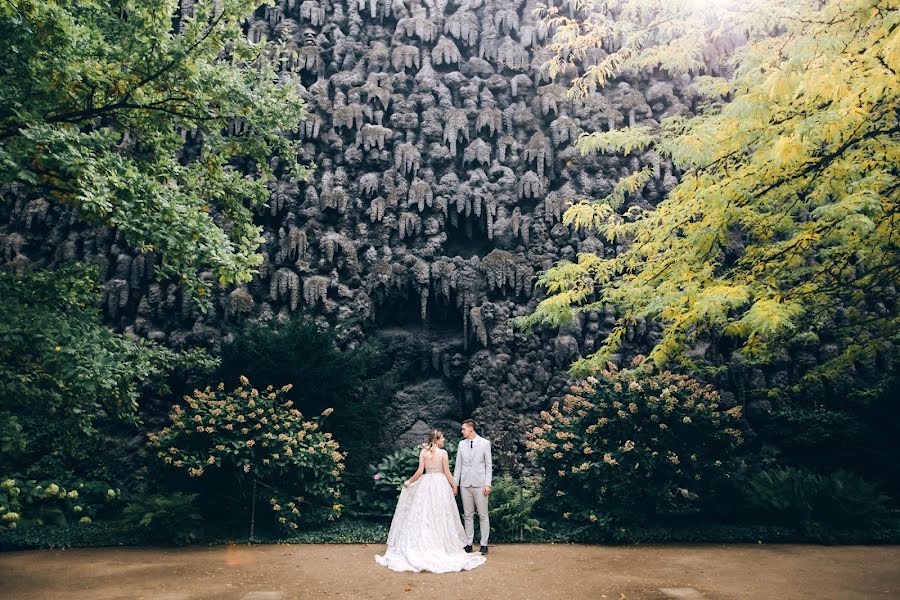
[{"x": 433, "y": 437}]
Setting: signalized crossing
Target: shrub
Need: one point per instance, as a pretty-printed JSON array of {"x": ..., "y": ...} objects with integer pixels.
[
  {"x": 799, "y": 497},
  {"x": 387, "y": 479},
  {"x": 68, "y": 384},
  {"x": 816, "y": 437},
  {"x": 632, "y": 446},
  {"x": 77, "y": 535},
  {"x": 234, "y": 444},
  {"x": 358, "y": 382},
  {"x": 511, "y": 507},
  {"x": 827, "y": 439},
  {"x": 302, "y": 353},
  {"x": 31, "y": 502},
  {"x": 172, "y": 518}
]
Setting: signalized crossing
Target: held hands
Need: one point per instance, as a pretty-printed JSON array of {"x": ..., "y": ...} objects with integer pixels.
[{"x": 455, "y": 490}]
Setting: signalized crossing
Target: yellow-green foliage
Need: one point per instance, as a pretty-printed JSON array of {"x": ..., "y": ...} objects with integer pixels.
[
  {"x": 786, "y": 216},
  {"x": 250, "y": 435}
]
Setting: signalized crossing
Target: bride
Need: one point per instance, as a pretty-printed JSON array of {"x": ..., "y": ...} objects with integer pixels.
[{"x": 426, "y": 532}]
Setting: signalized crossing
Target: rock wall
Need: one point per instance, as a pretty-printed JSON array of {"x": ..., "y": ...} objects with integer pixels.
[{"x": 444, "y": 161}]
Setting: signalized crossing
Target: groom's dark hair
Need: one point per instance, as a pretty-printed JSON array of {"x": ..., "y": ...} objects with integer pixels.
[{"x": 470, "y": 423}]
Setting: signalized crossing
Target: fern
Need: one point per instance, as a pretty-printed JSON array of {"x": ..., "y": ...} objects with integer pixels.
[{"x": 512, "y": 504}]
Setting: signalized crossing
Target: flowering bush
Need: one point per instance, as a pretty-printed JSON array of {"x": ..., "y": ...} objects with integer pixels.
[
  {"x": 233, "y": 440},
  {"x": 48, "y": 503},
  {"x": 630, "y": 446}
]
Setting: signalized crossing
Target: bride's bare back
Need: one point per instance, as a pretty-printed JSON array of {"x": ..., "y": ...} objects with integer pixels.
[{"x": 433, "y": 460}]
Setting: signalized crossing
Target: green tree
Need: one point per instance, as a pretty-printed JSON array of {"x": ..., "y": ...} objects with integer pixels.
[
  {"x": 66, "y": 380},
  {"x": 786, "y": 217},
  {"x": 98, "y": 98}
]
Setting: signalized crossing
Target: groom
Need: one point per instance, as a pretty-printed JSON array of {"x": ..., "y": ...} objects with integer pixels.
[{"x": 473, "y": 474}]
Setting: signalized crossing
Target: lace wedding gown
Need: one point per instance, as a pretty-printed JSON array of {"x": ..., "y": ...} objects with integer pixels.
[{"x": 426, "y": 532}]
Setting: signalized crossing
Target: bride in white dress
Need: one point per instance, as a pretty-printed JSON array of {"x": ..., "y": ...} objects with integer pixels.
[{"x": 426, "y": 532}]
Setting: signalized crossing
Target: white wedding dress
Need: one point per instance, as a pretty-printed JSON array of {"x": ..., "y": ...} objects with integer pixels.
[{"x": 426, "y": 532}]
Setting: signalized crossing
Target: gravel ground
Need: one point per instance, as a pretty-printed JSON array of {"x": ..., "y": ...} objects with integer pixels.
[{"x": 537, "y": 572}]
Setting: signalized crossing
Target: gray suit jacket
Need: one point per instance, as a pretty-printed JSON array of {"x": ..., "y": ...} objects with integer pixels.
[{"x": 473, "y": 464}]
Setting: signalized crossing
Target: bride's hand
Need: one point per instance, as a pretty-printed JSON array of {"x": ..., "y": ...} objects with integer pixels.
[{"x": 406, "y": 483}]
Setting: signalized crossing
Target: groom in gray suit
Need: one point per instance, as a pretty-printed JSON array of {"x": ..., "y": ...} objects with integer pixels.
[{"x": 473, "y": 474}]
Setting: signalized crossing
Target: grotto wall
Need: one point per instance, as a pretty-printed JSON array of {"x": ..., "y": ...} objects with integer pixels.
[{"x": 444, "y": 162}]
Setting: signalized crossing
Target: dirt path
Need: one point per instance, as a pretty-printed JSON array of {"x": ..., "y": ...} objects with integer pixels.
[{"x": 534, "y": 572}]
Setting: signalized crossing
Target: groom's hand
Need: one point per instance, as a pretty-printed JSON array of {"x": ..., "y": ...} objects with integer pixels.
[{"x": 487, "y": 490}]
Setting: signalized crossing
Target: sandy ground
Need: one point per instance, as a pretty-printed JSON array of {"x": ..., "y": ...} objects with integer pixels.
[{"x": 536, "y": 572}]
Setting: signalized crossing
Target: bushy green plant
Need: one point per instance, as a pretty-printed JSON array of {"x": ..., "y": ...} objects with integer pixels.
[
  {"x": 801, "y": 498},
  {"x": 166, "y": 517},
  {"x": 302, "y": 353},
  {"x": 511, "y": 507},
  {"x": 816, "y": 437},
  {"x": 357, "y": 382},
  {"x": 67, "y": 382},
  {"x": 827, "y": 439},
  {"x": 76, "y": 535},
  {"x": 388, "y": 475},
  {"x": 632, "y": 445},
  {"x": 232, "y": 443},
  {"x": 31, "y": 502}
]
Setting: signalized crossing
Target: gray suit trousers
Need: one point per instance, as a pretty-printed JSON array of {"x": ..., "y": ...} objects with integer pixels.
[{"x": 473, "y": 498}]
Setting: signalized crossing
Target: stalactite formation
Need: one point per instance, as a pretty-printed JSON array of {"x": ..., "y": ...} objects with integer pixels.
[{"x": 444, "y": 161}]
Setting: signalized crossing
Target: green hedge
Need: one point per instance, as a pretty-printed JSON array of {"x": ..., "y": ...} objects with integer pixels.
[{"x": 353, "y": 531}]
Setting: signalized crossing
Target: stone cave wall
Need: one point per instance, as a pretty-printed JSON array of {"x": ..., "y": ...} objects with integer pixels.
[{"x": 444, "y": 162}]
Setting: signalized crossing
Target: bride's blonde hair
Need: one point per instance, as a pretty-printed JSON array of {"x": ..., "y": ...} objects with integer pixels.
[{"x": 433, "y": 437}]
